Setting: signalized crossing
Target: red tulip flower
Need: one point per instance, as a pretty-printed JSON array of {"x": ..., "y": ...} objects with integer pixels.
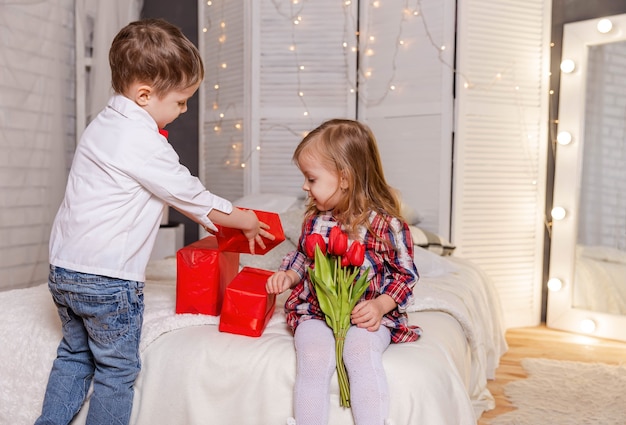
[
  {"x": 311, "y": 242},
  {"x": 338, "y": 289},
  {"x": 355, "y": 254},
  {"x": 337, "y": 242}
]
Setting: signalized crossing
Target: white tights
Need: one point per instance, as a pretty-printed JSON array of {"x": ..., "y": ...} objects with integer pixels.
[{"x": 362, "y": 355}]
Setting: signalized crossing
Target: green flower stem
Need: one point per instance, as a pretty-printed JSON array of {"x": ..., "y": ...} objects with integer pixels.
[{"x": 342, "y": 374}]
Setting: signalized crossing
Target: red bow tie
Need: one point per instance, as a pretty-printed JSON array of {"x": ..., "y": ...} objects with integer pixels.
[{"x": 163, "y": 132}]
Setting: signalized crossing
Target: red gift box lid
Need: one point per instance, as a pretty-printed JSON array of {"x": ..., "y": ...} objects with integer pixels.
[{"x": 233, "y": 240}]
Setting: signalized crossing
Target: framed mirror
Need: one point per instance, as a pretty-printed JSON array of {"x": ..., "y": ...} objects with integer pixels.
[{"x": 587, "y": 274}]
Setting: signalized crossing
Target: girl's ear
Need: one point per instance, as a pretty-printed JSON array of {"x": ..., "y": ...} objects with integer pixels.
[{"x": 343, "y": 181}]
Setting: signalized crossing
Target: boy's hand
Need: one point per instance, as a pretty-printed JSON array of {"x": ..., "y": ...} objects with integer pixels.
[{"x": 256, "y": 231}]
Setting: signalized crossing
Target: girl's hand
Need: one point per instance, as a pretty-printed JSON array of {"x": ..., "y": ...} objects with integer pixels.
[
  {"x": 369, "y": 313},
  {"x": 279, "y": 282}
]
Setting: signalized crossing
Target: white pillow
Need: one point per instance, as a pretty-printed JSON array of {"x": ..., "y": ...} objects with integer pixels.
[
  {"x": 270, "y": 202},
  {"x": 431, "y": 241},
  {"x": 410, "y": 215},
  {"x": 430, "y": 264}
]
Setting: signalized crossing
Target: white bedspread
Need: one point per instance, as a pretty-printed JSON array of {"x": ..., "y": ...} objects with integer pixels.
[{"x": 193, "y": 374}]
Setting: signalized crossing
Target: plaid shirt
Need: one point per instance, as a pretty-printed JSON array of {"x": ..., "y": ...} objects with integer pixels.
[{"x": 392, "y": 272}]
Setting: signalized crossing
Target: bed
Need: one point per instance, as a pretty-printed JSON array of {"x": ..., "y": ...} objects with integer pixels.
[{"x": 194, "y": 374}]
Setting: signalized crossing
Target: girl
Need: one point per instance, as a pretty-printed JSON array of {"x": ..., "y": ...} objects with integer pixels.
[{"x": 344, "y": 181}]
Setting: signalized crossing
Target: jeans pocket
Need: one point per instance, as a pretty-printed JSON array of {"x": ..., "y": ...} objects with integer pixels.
[{"x": 106, "y": 316}]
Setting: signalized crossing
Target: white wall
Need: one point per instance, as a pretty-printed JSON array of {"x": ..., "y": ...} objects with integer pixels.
[{"x": 36, "y": 131}]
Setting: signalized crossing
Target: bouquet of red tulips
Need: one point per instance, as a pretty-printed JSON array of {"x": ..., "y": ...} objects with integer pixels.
[{"x": 334, "y": 278}]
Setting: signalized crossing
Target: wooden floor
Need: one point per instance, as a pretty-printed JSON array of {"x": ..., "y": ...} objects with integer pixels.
[{"x": 547, "y": 343}]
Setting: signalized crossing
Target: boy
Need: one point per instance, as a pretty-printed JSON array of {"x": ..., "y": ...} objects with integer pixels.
[{"x": 123, "y": 173}]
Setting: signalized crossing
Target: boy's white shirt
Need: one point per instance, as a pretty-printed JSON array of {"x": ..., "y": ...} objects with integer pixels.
[{"x": 123, "y": 173}]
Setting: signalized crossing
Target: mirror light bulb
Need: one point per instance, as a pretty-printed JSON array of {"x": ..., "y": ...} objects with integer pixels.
[
  {"x": 564, "y": 138},
  {"x": 555, "y": 284},
  {"x": 604, "y": 26},
  {"x": 558, "y": 213},
  {"x": 568, "y": 66},
  {"x": 587, "y": 326}
]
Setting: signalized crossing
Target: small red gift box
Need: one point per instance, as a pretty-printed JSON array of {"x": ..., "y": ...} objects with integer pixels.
[
  {"x": 233, "y": 240},
  {"x": 202, "y": 274},
  {"x": 247, "y": 306}
]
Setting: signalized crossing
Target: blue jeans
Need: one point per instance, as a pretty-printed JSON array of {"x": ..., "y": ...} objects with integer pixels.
[{"x": 102, "y": 320}]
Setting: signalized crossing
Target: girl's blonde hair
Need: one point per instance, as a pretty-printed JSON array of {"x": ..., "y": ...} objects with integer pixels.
[
  {"x": 154, "y": 52},
  {"x": 349, "y": 148}
]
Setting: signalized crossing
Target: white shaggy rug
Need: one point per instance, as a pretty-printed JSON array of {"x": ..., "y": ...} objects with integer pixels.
[{"x": 567, "y": 393}]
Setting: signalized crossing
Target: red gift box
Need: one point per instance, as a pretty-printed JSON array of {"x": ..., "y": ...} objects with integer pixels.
[
  {"x": 202, "y": 274},
  {"x": 233, "y": 240},
  {"x": 247, "y": 306}
]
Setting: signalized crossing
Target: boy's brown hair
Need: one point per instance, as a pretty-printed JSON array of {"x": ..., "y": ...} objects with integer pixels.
[{"x": 154, "y": 52}]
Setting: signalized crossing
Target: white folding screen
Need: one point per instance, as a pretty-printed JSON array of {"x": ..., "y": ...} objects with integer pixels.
[
  {"x": 467, "y": 152},
  {"x": 406, "y": 96},
  {"x": 276, "y": 69},
  {"x": 223, "y": 43},
  {"x": 501, "y": 146}
]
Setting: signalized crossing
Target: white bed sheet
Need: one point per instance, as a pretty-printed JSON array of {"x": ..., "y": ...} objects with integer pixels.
[{"x": 193, "y": 374}]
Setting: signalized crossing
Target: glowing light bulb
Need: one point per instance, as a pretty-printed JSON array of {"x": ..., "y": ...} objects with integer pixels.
[
  {"x": 604, "y": 26},
  {"x": 564, "y": 138},
  {"x": 587, "y": 326},
  {"x": 568, "y": 66},
  {"x": 555, "y": 284},
  {"x": 558, "y": 213}
]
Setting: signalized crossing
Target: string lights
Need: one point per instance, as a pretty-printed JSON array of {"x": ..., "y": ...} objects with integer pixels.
[{"x": 375, "y": 79}]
